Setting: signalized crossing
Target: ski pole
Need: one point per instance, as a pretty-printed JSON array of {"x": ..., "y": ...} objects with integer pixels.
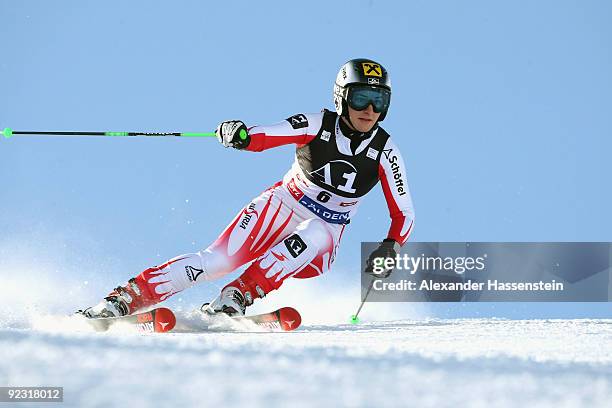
[
  {"x": 355, "y": 318},
  {"x": 7, "y": 132}
]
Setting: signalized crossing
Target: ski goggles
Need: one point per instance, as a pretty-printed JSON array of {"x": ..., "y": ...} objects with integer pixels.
[{"x": 359, "y": 97}]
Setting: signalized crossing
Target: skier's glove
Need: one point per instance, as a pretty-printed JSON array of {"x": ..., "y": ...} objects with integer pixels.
[
  {"x": 233, "y": 133},
  {"x": 374, "y": 265}
]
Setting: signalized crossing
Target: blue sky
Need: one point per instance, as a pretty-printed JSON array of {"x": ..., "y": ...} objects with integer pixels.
[{"x": 501, "y": 110}]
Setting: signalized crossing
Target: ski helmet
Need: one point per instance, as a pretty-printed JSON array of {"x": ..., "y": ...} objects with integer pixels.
[{"x": 364, "y": 73}]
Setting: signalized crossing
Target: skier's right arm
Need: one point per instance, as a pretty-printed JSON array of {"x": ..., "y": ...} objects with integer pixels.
[{"x": 299, "y": 129}]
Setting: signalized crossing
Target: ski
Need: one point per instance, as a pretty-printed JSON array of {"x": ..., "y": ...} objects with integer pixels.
[
  {"x": 283, "y": 319},
  {"x": 280, "y": 320},
  {"x": 159, "y": 320}
]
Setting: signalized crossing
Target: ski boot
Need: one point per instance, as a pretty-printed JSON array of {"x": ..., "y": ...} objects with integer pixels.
[
  {"x": 122, "y": 301},
  {"x": 235, "y": 297}
]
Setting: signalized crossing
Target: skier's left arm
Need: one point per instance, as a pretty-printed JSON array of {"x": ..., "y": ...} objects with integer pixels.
[
  {"x": 392, "y": 174},
  {"x": 394, "y": 181}
]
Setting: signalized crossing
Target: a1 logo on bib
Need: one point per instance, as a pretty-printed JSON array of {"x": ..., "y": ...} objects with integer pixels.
[
  {"x": 295, "y": 245},
  {"x": 338, "y": 174},
  {"x": 298, "y": 121}
]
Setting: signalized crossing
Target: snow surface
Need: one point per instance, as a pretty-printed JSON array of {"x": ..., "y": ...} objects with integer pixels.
[
  {"x": 413, "y": 361},
  {"x": 471, "y": 362}
]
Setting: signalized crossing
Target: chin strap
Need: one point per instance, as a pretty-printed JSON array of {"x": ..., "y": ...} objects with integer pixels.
[
  {"x": 353, "y": 134},
  {"x": 348, "y": 120}
]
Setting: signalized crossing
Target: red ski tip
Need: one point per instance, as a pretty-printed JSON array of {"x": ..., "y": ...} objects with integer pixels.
[
  {"x": 289, "y": 318},
  {"x": 164, "y": 320}
]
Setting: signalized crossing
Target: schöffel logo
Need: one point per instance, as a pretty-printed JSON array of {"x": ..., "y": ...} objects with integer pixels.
[
  {"x": 395, "y": 168},
  {"x": 193, "y": 273},
  {"x": 295, "y": 245}
]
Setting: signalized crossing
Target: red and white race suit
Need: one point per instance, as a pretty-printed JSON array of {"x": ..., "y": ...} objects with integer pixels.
[{"x": 293, "y": 228}]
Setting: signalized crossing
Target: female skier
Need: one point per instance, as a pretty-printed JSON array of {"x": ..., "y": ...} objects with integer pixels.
[{"x": 294, "y": 227}]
